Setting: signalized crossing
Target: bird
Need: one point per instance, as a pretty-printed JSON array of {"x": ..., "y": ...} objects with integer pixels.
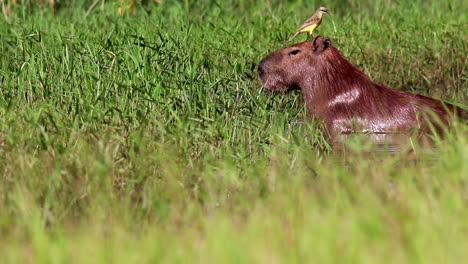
[{"x": 311, "y": 23}]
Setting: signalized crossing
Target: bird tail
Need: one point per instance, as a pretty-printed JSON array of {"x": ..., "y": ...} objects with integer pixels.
[{"x": 293, "y": 36}]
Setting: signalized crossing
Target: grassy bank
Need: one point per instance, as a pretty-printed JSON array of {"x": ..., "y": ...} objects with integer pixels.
[{"x": 145, "y": 137}]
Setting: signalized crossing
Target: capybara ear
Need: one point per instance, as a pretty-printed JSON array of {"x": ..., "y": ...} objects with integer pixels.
[
  {"x": 320, "y": 44},
  {"x": 327, "y": 42}
]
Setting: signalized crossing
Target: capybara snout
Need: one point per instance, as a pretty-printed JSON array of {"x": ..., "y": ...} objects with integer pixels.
[
  {"x": 261, "y": 71},
  {"x": 270, "y": 72},
  {"x": 285, "y": 68}
]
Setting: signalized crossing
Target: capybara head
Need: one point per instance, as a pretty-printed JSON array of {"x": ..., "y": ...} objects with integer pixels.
[{"x": 284, "y": 68}]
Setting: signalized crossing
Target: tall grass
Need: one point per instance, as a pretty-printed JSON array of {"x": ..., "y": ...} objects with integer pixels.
[{"x": 146, "y": 137}]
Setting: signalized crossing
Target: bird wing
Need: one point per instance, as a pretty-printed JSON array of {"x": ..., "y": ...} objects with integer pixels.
[{"x": 309, "y": 22}]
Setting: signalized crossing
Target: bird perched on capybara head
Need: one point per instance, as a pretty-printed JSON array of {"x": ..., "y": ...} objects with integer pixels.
[{"x": 344, "y": 97}]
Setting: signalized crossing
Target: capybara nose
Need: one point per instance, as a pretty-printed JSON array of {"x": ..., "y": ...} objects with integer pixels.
[
  {"x": 261, "y": 72},
  {"x": 261, "y": 69}
]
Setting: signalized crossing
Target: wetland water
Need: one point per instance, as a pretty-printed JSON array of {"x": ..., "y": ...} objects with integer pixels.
[{"x": 376, "y": 143}]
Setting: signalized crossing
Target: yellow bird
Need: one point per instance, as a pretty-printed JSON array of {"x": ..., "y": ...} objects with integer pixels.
[{"x": 312, "y": 23}]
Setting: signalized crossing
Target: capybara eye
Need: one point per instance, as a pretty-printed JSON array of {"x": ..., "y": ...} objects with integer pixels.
[{"x": 294, "y": 52}]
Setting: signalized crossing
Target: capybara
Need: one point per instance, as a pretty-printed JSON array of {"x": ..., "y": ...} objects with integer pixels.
[{"x": 345, "y": 98}]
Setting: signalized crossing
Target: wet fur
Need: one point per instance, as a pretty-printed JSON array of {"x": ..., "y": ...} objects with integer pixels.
[{"x": 345, "y": 98}]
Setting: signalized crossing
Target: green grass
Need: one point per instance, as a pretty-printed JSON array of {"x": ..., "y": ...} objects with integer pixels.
[{"x": 146, "y": 138}]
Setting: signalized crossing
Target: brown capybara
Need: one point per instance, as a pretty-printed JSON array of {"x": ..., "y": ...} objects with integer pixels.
[{"x": 345, "y": 98}]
